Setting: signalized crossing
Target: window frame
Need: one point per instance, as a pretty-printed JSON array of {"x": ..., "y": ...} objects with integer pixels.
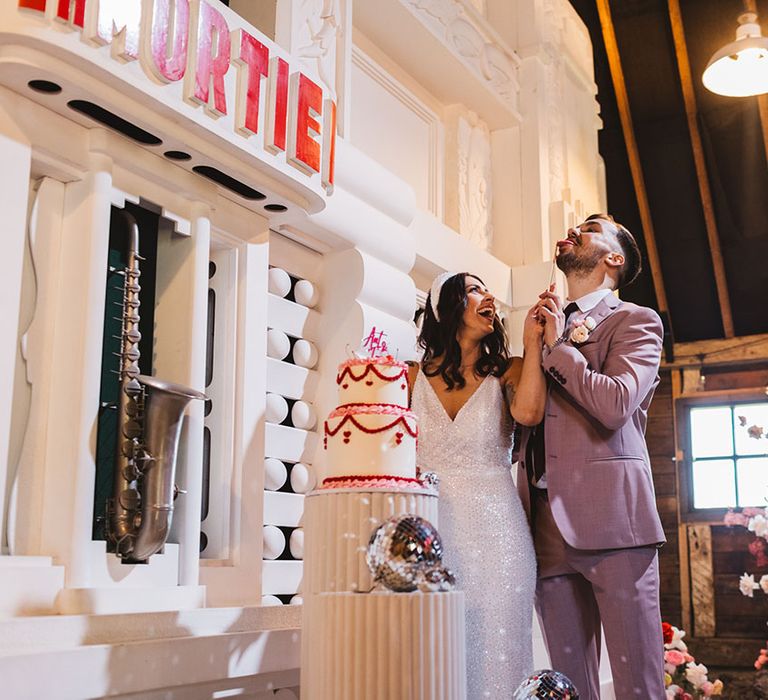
[{"x": 683, "y": 406}]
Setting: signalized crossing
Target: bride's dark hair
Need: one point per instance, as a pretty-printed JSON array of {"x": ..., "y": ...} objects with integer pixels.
[{"x": 438, "y": 338}]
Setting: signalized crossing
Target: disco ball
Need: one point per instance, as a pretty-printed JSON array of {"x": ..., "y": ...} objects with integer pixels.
[
  {"x": 546, "y": 684},
  {"x": 435, "y": 579},
  {"x": 401, "y": 550}
]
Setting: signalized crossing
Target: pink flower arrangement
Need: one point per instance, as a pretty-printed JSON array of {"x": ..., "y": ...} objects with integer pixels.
[{"x": 684, "y": 679}]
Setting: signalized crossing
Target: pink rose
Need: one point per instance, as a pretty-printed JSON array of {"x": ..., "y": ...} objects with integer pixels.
[
  {"x": 688, "y": 657},
  {"x": 707, "y": 687},
  {"x": 674, "y": 657}
]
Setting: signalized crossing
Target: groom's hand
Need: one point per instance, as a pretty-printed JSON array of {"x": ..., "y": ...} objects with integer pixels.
[{"x": 550, "y": 310}]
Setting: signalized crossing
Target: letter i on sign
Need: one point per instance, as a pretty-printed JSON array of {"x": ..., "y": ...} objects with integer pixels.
[{"x": 277, "y": 106}]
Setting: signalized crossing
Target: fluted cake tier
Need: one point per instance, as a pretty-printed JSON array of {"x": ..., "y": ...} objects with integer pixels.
[
  {"x": 384, "y": 646},
  {"x": 337, "y": 528}
]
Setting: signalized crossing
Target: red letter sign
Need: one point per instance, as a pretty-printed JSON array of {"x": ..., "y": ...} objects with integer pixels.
[
  {"x": 205, "y": 68},
  {"x": 116, "y": 22},
  {"x": 71, "y": 11},
  {"x": 252, "y": 59},
  {"x": 329, "y": 146},
  {"x": 306, "y": 107},
  {"x": 37, "y": 5},
  {"x": 167, "y": 60},
  {"x": 277, "y": 106}
]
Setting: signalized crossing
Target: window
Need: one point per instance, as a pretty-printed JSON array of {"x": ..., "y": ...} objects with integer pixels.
[{"x": 728, "y": 466}]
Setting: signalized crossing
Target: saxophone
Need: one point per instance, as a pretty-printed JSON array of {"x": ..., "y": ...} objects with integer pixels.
[{"x": 149, "y": 418}]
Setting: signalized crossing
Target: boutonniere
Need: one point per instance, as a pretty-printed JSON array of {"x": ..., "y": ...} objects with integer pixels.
[{"x": 582, "y": 327}]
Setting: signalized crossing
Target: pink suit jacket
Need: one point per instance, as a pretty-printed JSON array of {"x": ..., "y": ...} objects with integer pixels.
[{"x": 598, "y": 470}]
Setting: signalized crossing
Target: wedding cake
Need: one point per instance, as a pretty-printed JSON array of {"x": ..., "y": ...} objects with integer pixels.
[{"x": 359, "y": 642}]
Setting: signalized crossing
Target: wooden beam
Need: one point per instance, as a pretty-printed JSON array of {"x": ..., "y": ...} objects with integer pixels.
[
  {"x": 702, "y": 580},
  {"x": 748, "y": 349},
  {"x": 691, "y": 111},
  {"x": 635, "y": 166}
]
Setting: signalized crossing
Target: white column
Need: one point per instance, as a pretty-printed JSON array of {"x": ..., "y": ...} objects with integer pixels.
[
  {"x": 15, "y": 155},
  {"x": 239, "y": 582},
  {"x": 75, "y": 373},
  {"x": 181, "y": 316}
]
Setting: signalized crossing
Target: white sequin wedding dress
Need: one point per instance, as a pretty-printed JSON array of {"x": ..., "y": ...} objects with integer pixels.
[{"x": 486, "y": 539}]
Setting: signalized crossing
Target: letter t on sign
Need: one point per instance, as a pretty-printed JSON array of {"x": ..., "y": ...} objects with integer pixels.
[{"x": 252, "y": 59}]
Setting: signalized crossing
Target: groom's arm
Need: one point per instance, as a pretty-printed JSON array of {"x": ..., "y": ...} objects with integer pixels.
[{"x": 612, "y": 395}]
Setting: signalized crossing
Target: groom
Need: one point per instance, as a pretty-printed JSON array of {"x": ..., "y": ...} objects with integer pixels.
[{"x": 584, "y": 473}]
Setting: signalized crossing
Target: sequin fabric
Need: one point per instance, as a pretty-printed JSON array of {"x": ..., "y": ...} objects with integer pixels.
[{"x": 486, "y": 538}]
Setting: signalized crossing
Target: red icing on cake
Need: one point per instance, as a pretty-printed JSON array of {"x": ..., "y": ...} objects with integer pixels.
[
  {"x": 368, "y": 366},
  {"x": 372, "y": 482}
]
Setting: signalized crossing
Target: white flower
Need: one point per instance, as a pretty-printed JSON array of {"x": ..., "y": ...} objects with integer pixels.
[
  {"x": 677, "y": 640},
  {"x": 579, "y": 334},
  {"x": 590, "y": 323},
  {"x": 759, "y": 525},
  {"x": 672, "y": 691},
  {"x": 696, "y": 674},
  {"x": 747, "y": 585}
]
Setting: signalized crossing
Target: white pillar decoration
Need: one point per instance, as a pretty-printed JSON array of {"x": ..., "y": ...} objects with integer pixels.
[
  {"x": 78, "y": 307},
  {"x": 15, "y": 154},
  {"x": 181, "y": 320}
]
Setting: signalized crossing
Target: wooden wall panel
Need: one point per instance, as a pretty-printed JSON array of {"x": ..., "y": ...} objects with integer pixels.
[
  {"x": 660, "y": 436},
  {"x": 736, "y": 614}
]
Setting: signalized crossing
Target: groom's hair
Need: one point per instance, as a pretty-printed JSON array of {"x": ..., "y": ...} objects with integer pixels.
[
  {"x": 438, "y": 338},
  {"x": 633, "y": 259}
]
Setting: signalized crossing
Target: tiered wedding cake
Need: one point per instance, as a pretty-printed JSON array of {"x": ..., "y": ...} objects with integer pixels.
[{"x": 359, "y": 643}]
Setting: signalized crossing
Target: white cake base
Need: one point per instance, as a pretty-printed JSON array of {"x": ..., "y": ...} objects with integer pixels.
[
  {"x": 337, "y": 528},
  {"x": 384, "y": 646}
]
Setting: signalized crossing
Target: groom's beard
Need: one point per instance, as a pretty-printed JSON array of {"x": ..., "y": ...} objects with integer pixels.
[{"x": 572, "y": 264}]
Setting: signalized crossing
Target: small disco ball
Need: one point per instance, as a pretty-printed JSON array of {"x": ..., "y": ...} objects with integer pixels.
[
  {"x": 546, "y": 684},
  {"x": 436, "y": 579},
  {"x": 430, "y": 480},
  {"x": 401, "y": 550}
]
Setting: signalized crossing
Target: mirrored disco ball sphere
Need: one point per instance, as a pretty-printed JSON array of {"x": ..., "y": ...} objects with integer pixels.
[
  {"x": 435, "y": 579},
  {"x": 546, "y": 684},
  {"x": 401, "y": 550}
]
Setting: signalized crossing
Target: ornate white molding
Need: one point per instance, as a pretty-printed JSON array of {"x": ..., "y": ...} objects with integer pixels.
[
  {"x": 475, "y": 180},
  {"x": 318, "y": 28},
  {"x": 373, "y": 70},
  {"x": 465, "y": 32}
]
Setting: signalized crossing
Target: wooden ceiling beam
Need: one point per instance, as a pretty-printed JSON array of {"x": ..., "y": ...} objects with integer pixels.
[
  {"x": 750, "y": 349},
  {"x": 635, "y": 166},
  {"x": 692, "y": 114}
]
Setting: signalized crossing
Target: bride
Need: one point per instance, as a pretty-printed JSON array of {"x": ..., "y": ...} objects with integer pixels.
[{"x": 467, "y": 392}]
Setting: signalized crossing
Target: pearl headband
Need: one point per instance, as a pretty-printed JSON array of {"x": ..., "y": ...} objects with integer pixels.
[{"x": 434, "y": 292}]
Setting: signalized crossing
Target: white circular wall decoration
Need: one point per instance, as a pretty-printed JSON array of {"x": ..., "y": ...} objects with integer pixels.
[
  {"x": 296, "y": 543},
  {"x": 277, "y": 408},
  {"x": 279, "y": 282},
  {"x": 275, "y": 474},
  {"x": 274, "y": 542},
  {"x": 302, "y": 478},
  {"x": 305, "y": 293},
  {"x": 305, "y": 353},
  {"x": 303, "y": 416},
  {"x": 278, "y": 344}
]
